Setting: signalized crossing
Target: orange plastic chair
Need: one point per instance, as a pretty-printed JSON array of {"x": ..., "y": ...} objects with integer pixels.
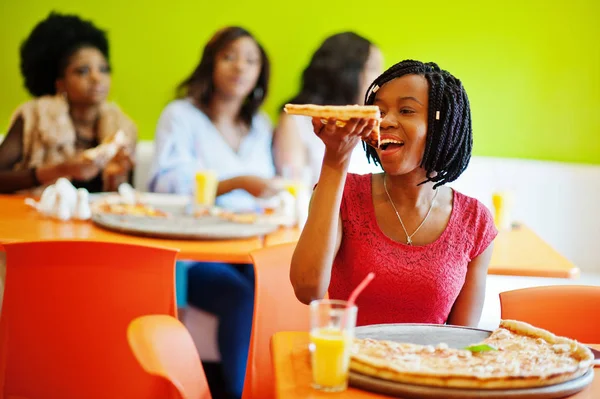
[
  {"x": 566, "y": 310},
  {"x": 276, "y": 308},
  {"x": 67, "y": 306},
  {"x": 164, "y": 348}
]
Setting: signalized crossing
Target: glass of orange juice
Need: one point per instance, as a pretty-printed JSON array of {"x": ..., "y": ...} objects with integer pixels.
[
  {"x": 295, "y": 179},
  {"x": 502, "y": 201},
  {"x": 331, "y": 335},
  {"x": 206, "y": 187}
]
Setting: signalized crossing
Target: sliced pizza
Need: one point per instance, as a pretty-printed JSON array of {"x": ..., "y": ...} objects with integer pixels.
[
  {"x": 235, "y": 217},
  {"x": 137, "y": 209},
  {"x": 342, "y": 113},
  {"x": 516, "y": 355},
  {"x": 107, "y": 149}
]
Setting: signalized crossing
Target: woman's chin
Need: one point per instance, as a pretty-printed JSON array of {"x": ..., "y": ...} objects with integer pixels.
[
  {"x": 399, "y": 169},
  {"x": 91, "y": 100},
  {"x": 235, "y": 93}
]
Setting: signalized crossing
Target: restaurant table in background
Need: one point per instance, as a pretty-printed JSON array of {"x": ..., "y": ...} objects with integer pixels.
[
  {"x": 521, "y": 252},
  {"x": 19, "y": 222},
  {"x": 517, "y": 252},
  {"x": 293, "y": 376}
]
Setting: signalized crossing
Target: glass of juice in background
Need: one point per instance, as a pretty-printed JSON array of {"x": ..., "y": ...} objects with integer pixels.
[
  {"x": 297, "y": 183},
  {"x": 206, "y": 187},
  {"x": 331, "y": 335},
  {"x": 503, "y": 203}
]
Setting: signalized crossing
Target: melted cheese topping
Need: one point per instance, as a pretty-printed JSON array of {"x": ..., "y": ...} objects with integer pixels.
[{"x": 517, "y": 356}]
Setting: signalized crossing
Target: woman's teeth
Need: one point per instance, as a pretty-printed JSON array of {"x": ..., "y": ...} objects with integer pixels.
[{"x": 385, "y": 143}]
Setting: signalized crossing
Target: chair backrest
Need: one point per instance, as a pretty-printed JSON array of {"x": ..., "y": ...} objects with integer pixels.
[
  {"x": 566, "y": 310},
  {"x": 67, "y": 306},
  {"x": 276, "y": 308},
  {"x": 165, "y": 348}
]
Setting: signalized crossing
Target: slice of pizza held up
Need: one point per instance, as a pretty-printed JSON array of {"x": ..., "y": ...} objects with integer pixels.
[
  {"x": 342, "y": 113},
  {"x": 516, "y": 355}
]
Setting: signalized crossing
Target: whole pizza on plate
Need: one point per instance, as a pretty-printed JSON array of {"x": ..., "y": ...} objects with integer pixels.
[{"x": 516, "y": 355}]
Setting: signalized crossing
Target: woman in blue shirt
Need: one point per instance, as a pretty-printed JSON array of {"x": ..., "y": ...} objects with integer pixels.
[{"x": 216, "y": 124}]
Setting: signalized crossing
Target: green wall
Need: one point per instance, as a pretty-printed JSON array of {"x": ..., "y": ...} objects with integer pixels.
[{"x": 531, "y": 68}]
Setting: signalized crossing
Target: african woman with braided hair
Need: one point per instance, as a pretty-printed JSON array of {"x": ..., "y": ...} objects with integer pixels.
[{"x": 428, "y": 244}]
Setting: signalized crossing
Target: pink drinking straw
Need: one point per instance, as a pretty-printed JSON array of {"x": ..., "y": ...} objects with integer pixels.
[{"x": 355, "y": 295}]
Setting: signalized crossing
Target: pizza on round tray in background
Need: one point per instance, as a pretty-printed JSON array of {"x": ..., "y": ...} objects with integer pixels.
[
  {"x": 135, "y": 209},
  {"x": 114, "y": 206},
  {"x": 342, "y": 113},
  {"x": 236, "y": 217},
  {"x": 516, "y": 355}
]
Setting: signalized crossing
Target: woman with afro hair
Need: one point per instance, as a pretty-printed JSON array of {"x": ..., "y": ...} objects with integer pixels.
[{"x": 65, "y": 65}]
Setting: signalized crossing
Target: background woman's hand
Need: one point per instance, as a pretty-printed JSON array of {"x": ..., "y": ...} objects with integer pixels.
[
  {"x": 120, "y": 164},
  {"x": 340, "y": 140},
  {"x": 260, "y": 187},
  {"x": 80, "y": 168}
]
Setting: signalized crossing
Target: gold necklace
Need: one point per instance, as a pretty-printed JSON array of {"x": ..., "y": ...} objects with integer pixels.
[{"x": 408, "y": 237}]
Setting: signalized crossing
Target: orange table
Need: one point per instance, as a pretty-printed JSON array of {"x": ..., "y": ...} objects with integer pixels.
[
  {"x": 282, "y": 236},
  {"x": 517, "y": 252},
  {"x": 521, "y": 252},
  {"x": 291, "y": 361},
  {"x": 19, "y": 222}
]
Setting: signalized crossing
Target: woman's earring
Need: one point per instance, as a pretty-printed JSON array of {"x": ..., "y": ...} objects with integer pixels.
[{"x": 258, "y": 93}]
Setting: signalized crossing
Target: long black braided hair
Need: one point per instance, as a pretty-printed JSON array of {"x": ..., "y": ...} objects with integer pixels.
[{"x": 449, "y": 134}]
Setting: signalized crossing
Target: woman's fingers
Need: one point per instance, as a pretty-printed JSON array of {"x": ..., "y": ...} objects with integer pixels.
[
  {"x": 367, "y": 128},
  {"x": 330, "y": 127},
  {"x": 352, "y": 127},
  {"x": 317, "y": 125}
]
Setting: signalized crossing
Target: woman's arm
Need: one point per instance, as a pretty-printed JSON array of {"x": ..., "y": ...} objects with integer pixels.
[
  {"x": 467, "y": 308},
  {"x": 120, "y": 169},
  {"x": 289, "y": 151},
  {"x": 321, "y": 237},
  {"x": 254, "y": 185},
  {"x": 11, "y": 152}
]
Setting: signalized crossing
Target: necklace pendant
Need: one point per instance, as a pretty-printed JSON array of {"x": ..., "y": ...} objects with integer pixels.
[{"x": 408, "y": 241}]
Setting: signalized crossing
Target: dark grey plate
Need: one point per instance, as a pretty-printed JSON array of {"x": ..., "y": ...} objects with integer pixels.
[
  {"x": 424, "y": 334},
  {"x": 456, "y": 337}
]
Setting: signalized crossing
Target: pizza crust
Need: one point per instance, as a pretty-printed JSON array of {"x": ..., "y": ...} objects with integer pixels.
[
  {"x": 342, "y": 113},
  {"x": 526, "y": 357},
  {"x": 449, "y": 380},
  {"x": 108, "y": 149},
  {"x": 579, "y": 351}
]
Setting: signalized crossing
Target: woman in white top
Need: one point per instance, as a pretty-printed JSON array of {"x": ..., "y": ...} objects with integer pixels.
[
  {"x": 188, "y": 140},
  {"x": 339, "y": 72},
  {"x": 217, "y": 125}
]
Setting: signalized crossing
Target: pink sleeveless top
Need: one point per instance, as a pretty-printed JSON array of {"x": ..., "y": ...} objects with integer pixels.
[{"x": 413, "y": 284}]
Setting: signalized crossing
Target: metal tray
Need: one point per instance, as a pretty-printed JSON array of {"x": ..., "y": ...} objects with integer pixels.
[{"x": 181, "y": 227}]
